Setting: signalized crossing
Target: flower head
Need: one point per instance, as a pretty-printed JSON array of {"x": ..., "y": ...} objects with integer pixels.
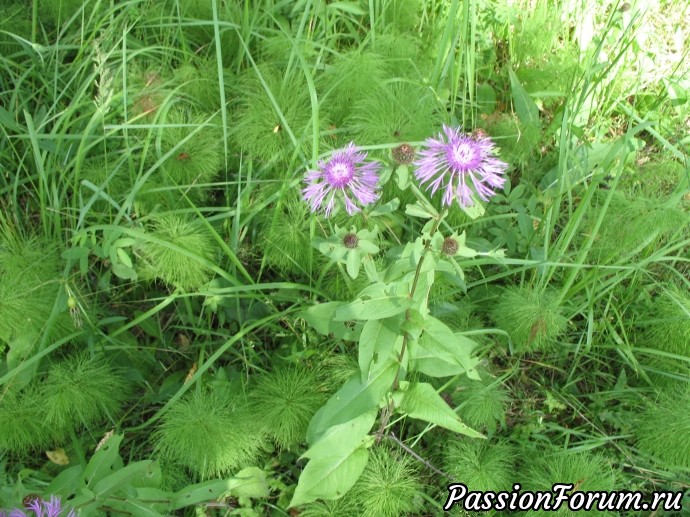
[
  {"x": 455, "y": 162},
  {"x": 450, "y": 246},
  {"x": 344, "y": 176},
  {"x": 403, "y": 154},
  {"x": 35, "y": 506}
]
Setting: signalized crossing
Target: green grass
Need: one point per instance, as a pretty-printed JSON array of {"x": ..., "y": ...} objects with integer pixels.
[{"x": 154, "y": 244}]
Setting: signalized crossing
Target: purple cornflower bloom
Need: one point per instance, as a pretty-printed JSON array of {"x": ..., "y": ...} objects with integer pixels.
[
  {"x": 456, "y": 161},
  {"x": 344, "y": 176},
  {"x": 38, "y": 507}
]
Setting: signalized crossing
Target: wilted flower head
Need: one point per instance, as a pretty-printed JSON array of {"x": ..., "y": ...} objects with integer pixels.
[
  {"x": 38, "y": 507},
  {"x": 403, "y": 154},
  {"x": 450, "y": 246},
  {"x": 455, "y": 162},
  {"x": 344, "y": 176}
]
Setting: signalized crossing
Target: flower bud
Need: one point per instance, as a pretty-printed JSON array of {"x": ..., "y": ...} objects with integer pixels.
[
  {"x": 404, "y": 154},
  {"x": 450, "y": 246},
  {"x": 350, "y": 241}
]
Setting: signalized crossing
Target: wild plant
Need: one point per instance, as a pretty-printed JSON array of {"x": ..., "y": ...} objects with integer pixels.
[{"x": 397, "y": 332}]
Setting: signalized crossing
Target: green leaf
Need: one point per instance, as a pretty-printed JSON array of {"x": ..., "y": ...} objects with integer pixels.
[
  {"x": 124, "y": 272},
  {"x": 124, "y": 242},
  {"x": 527, "y": 111},
  {"x": 103, "y": 461},
  {"x": 377, "y": 301},
  {"x": 66, "y": 482},
  {"x": 352, "y": 400},
  {"x": 440, "y": 352},
  {"x": 336, "y": 460},
  {"x": 132, "y": 506},
  {"x": 329, "y": 478},
  {"x": 354, "y": 261},
  {"x": 416, "y": 210},
  {"x": 474, "y": 211},
  {"x": 420, "y": 400},
  {"x": 249, "y": 482},
  {"x": 124, "y": 258},
  {"x": 346, "y": 7},
  {"x": 402, "y": 176},
  {"x": 386, "y": 208},
  {"x": 320, "y": 317},
  {"x": 343, "y": 438},
  {"x": 376, "y": 343},
  {"x": 120, "y": 478}
]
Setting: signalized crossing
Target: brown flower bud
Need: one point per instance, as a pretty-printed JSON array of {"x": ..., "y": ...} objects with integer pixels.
[
  {"x": 450, "y": 246},
  {"x": 350, "y": 241},
  {"x": 404, "y": 154}
]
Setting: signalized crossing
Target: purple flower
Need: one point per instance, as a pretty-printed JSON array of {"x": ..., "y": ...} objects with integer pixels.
[
  {"x": 456, "y": 161},
  {"x": 345, "y": 176},
  {"x": 38, "y": 507}
]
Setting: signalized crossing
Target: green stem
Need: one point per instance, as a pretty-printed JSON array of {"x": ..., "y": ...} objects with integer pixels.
[
  {"x": 413, "y": 288},
  {"x": 34, "y": 20}
]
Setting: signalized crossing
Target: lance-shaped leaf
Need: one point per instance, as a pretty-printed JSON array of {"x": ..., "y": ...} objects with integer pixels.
[
  {"x": 336, "y": 461},
  {"x": 377, "y": 301},
  {"x": 440, "y": 352},
  {"x": 249, "y": 482},
  {"x": 377, "y": 343},
  {"x": 420, "y": 400},
  {"x": 352, "y": 400},
  {"x": 320, "y": 317}
]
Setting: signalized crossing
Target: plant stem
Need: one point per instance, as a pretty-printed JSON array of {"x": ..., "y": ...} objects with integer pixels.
[
  {"x": 408, "y": 315},
  {"x": 413, "y": 288}
]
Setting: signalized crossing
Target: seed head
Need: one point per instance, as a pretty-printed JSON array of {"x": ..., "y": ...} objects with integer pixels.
[
  {"x": 450, "y": 246},
  {"x": 404, "y": 154},
  {"x": 350, "y": 241}
]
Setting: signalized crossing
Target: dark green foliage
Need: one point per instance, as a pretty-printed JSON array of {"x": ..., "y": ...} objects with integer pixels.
[
  {"x": 343, "y": 507},
  {"x": 532, "y": 318},
  {"x": 286, "y": 242},
  {"x": 212, "y": 432},
  {"x": 266, "y": 99},
  {"x": 13, "y": 20},
  {"x": 81, "y": 391},
  {"x": 109, "y": 174},
  {"x": 397, "y": 112},
  {"x": 663, "y": 427},
  {"x": 22, "y": 427},
  {"x": 636, "y": 226},
  {"x": 58, "y": 12},
  {"x": 336, "y": 370},
  {"x": 481, "y": 465},
  {"x": 518, "y": 142},
  {"x": 349, "y": 80},
  {"x": 656, "y": 178},
  {"x": 197, "y": 17},
  {"x": 139, "y": 306},
  {"x": 198, "y": 81},
  {"x": 482, "y": 404},
  {"x": 590, "y": 470},
  {"x": 177, "y": 252},
  {"x": 191, "y": 147},
  {"x": 388, "y": 487},
  {"x": 29, "y": 286},
  {"x": 284, "y": 402},
  {"x": 668, "y": 328}
]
